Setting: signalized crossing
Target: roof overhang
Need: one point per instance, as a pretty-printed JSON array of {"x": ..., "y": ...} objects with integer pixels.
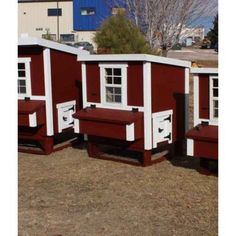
[
  {"x": 204, "y": 70},
  {"x": 134, "y": 57},
  {"x": 31, "y": 41}
]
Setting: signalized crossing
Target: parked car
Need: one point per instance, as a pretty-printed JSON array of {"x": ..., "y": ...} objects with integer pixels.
[{"x": 85, "y": 46}]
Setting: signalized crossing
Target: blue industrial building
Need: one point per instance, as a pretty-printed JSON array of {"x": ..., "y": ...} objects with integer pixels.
[{"x": 88, "y": 15}]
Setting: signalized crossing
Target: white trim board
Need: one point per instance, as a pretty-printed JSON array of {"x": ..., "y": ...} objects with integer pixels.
[
  {"x": 147, "y": 100},
  {"x": 190, "y": 147},
  {"x": 134, "y": 57},
  {"x": 204, "y": 70},
  {"x": 130, "y": 132},
  {"x": 24, "y": 41},
  {"x": 48, "y": 91}
]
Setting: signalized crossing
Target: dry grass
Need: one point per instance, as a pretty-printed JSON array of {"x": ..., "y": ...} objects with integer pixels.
[{"x": 68, "y": 193}]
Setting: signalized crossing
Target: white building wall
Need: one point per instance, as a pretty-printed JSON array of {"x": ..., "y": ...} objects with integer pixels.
[{"x": 33, "y": 18}]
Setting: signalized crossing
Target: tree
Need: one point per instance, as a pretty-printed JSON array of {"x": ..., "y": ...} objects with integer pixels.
[
  {"x": 213, "y": 33},
  {"x": 119, "y": 35},
  {"x": 162, "y": 21}
]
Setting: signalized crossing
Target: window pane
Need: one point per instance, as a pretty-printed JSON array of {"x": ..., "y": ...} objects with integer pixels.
[
  {"x": 215, "y": 92},
  {"x": 87, "y": 11},
  {"x": 118, "y": 98},
  {"x": 216, "y": 113},
  {"x": 109, "y": 98},
  {"x": 54, "y": 12},
  {"x": 109, "y": 80},
  {"x": 117, "y": 80},
  {"x": 21, "y": 66},
  {"x": 22, "y": 90},
  {"x": 108, "y": 71},
  {"x": 118, "y": 91},
  {"x": 67, "y": 37},
  {"x": 215, "y": 82},
  {"x": 117, "y": 72},
  {"x": 21, "y": 73},
  {"x": 21, "y": 82},
  {"x": 215, "y": 103}
]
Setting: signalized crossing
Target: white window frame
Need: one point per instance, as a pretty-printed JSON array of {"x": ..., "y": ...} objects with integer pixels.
[
  {"x": 26, "y": 61},
  {"x": 212, "y": 98},
  {"x": 123, "y": 67}
]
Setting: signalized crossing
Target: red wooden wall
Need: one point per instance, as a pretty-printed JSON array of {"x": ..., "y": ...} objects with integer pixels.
[
  {"x": 66, "y": 81},
  {"x": 36, "y": 67},
  {"x": 204, "y": 96},
  {"x": 168, "y": 88},
  {"x": 134, "y": 83}
]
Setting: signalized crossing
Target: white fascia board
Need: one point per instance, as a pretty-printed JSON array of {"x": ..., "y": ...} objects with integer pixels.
[
  {"x": 26, "y": 41},
  {"x": 204, "y": 70},
  {"x": 134, "y": 57}
]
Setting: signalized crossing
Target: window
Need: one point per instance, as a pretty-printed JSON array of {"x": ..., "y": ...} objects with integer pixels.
[
  {"x": 114, "y": 84},
  {"x": 49, "y": 36},
  {"x": 54, "y": 12},
  {"x": 88, "y": 11},
  {"x": 23, "y": 82},
  {"x": 67, "y": 37},
  {"x": 214, "y": 92}
]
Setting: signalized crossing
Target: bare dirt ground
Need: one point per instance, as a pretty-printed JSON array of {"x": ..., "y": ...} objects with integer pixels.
[
  {"x": 194, "y": 54},
  {"x": 69, "y": 194}
]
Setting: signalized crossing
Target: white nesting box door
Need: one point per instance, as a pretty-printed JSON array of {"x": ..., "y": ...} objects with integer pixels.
[
  {"x": 162, "y": 127},
  {"x": 65, "y": 111}
]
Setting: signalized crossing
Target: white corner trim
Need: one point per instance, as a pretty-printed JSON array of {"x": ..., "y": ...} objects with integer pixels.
[
  {"x": 186, "y": 84},
  {"x": 84, "y": 83},
  {"x": 48, "y": 91},
  {"x": 130, "y": 132},
  {"x": 204, "y": 70},
  {"x": 76, "y": 126},
  {"x": 33, "y": 120},
  {"x": 147, "y": 99},
  {"x": 195, "y": 100},
  {"x": 190, "y": 147}
]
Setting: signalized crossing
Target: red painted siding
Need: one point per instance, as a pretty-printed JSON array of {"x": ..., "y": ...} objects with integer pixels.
[
  {"x": 204, "y": 96},
  {"x": 168, "y": 87},
  {"x": 66, "y": 81},
  {"x": 36, "y": 67},
  {"x": 206, "y": 149},
  {"x": 135, "y": 84},
  {"x": 93, "y": 82}
]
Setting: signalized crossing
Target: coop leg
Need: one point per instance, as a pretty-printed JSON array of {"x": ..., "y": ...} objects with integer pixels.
[
  {"x": 48, "y": 145},
  {"x": 147, "y": 157},
  {"x": 93, "y": 150}
]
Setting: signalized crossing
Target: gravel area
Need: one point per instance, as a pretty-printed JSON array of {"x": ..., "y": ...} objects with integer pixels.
[{"x": 68, "y": 193}]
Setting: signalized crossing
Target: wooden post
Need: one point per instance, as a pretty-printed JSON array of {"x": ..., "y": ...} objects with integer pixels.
[
  {"x": 147, "y": 157},
  {"x": 48, "y": 145},
  {"x": 93, "y": 150}
]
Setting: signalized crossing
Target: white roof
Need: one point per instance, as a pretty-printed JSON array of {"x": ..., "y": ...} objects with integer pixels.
[
  {"x": 26, "y": 41},
  {"x": 134, "y": 57},
  {"x": 204, "y": 70}
]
